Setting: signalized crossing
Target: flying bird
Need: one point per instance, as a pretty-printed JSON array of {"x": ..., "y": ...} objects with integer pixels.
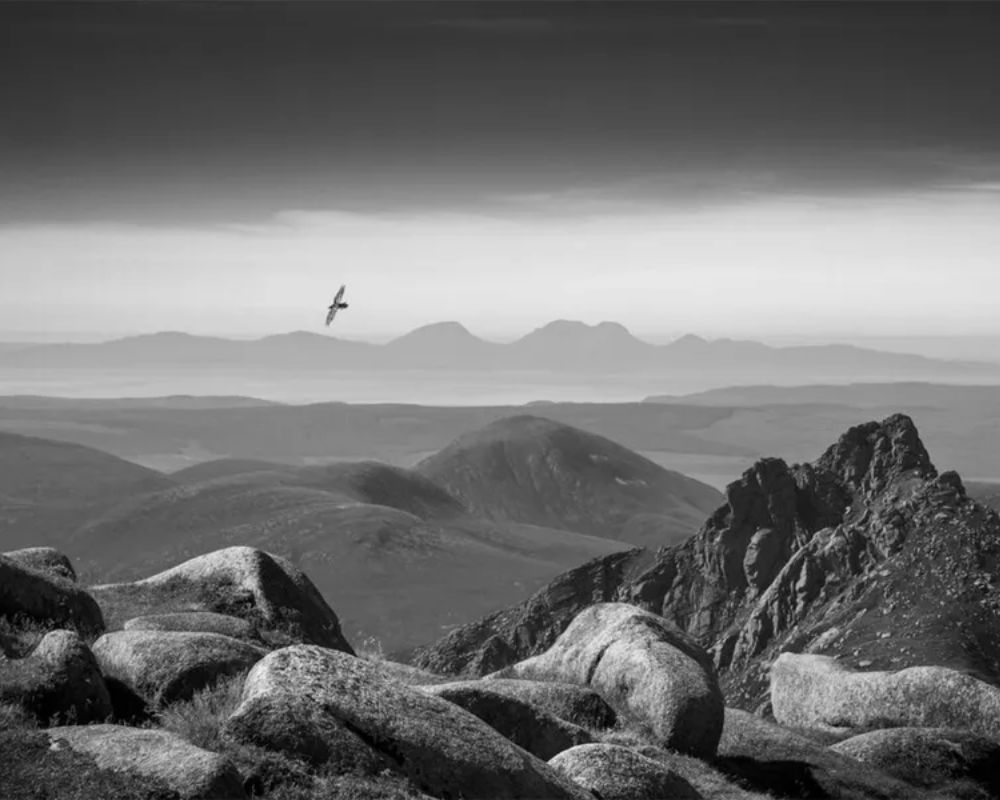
[{"x": 336, "y": 305}]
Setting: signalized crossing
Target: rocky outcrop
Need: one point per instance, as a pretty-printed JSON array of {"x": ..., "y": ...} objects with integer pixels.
[
  {"x": 531, "y": 627},
  {"x": 867, "y": 553},
  {"x": 441, "y": 748},
  {"x": 613, "y": 772},
  {"x": 649, "y": 671},
  {"x": 162, "y": 667},
  {"x": 816, "y": 692},
  {"x": 193, "y": 773},
  {"x": 44, "y": 559},
  {"x": 577, "y": 704},
  {"x": 933, "y": 758},
  {"x": 60, "y": 680},
  {"x": 43, "y": 598},
  {"x": 197, "y": 622},
  {"x": 243, "y": 582},
  {"x": 540, "y": 733}
]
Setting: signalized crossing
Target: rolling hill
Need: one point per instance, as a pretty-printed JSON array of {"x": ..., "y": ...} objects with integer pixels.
[
  {"x": 533, "y": 470},
  {"x": 397, "y": 553},
  {"x": 48, "y": 487},
  {"x": 403, "y": 556}
]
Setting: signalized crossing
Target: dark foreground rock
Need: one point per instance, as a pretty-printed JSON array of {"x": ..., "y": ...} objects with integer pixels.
[
  {"x": 161, "y": 667},
  {"x": 935, "y": 758},
  {"x": 768, "y": 757},
  {"x": 60, "y": 680},
  {"x": 577, "y": 704},
  {"x": 613, "y": 772},
  {"x": 33, "y": 769},
  {"x": 193, "y": 773},
  {"x": 540, "y": 733},
  {"x": 243, "y": 582},
  {"x": 649, "y": 671},
  {"x": 441, "y": 748},
  {"x": 47, "y": 560},
  {"x": 44, "y": 598}
]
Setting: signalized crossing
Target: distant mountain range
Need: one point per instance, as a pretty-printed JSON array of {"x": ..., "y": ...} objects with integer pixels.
[{"x": 561, "y": 346}]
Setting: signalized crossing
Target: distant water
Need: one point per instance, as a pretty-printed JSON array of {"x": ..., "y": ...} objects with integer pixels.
[{"x": 321, "y": 386}]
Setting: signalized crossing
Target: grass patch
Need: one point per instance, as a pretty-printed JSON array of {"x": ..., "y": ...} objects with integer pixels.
[
  {"x": 14, "y": 717},
  {"x": 371, "y": 649},
  {"x": 200, "y": 719},
  {"x": 20, "y": 635}
]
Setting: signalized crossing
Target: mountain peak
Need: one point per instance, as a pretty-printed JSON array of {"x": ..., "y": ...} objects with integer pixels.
[
  {"x": 690, "y": 340},
  {"x": 436, "y": 330},
  {"x": 539, "y": 471},
  {"x": 870, "y": 456}
]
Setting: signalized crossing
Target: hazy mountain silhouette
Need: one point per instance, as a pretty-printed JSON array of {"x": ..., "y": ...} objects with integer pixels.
[
  {"x": 561, "y": 346},
  {"x": 441, "y": 344},
  {"x": 902, "y": 394},
  {"x": 566, "y": 344},
  {"x": 534, "y": 470}
]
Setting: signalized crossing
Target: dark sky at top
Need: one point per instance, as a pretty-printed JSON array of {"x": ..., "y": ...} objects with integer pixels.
[{"x": 172, "y": 112}]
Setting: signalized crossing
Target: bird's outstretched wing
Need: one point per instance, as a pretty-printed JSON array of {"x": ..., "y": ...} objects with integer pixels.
[
  {"x": 331, "y": 314},
  {"x": 340, "y": 295}
]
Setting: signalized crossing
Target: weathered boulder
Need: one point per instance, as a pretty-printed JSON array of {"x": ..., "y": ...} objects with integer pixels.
[
  {"x": 242, "y": 582},
  {"x": 301, "y": 728},
  {"x": 767, "y": 757},
  {"x": 197, "y": 622},
  {"x": 195, "y": 774},
  {"x": 540, "y": 733},
  {"x": 32, "y": 768},
  {"x": 647, "y": 669},
  {"x": 530, "y": 627},
  {"x": 613, "y": 772},
  {"x": 813, "y": 691},
  {"x": 47, "y": 560},
  {"x": 26, "y": 592},
  {"x": 59, "y": 680},
  {"x": 441, "y": 748},
  {"x": 569, "y": 701},
  {"x": 930, "y": 757},
  {"x": 161, "y": 667}
]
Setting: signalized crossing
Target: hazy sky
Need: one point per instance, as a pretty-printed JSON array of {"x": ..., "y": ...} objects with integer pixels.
[{"x": 728, "y": 169}]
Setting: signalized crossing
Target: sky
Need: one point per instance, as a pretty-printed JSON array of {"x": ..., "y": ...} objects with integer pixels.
[{"x": 728, "y": 169}]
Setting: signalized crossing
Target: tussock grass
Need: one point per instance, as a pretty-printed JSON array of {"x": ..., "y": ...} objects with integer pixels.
[
  {"x": 371, "y": 649},
  {"x": 15, "y": 717},
  {"x": 200, "y": 719},
  {"x": 20, "y": 635}
]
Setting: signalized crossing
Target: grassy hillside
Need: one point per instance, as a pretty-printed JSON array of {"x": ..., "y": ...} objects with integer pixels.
[{"x": 531, "y": 469}]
